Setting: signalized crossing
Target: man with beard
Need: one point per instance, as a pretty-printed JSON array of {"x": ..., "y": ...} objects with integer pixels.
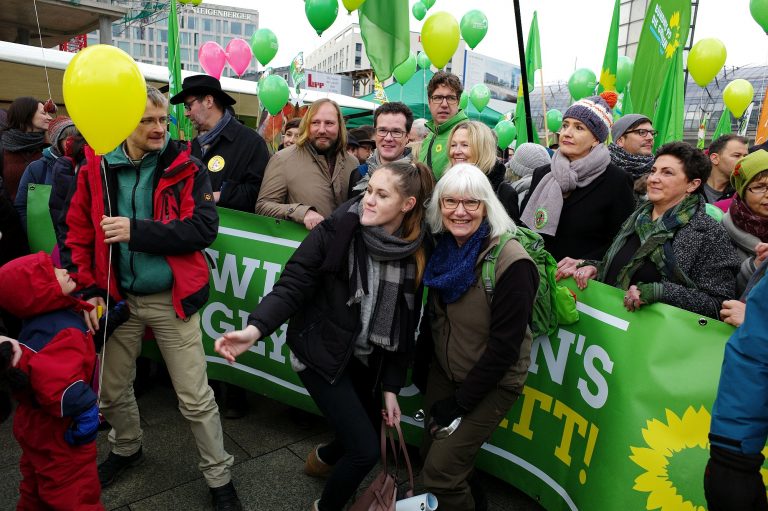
[
  {"x": 632, "y": 148},
  {"x": 307, "y": 181},
  {"x": 234, "y": 154},
  {"x": 724, "y": 153}
]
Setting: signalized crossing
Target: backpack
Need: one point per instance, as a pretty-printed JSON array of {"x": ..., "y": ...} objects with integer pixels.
[{"x": 555, "y": 304}]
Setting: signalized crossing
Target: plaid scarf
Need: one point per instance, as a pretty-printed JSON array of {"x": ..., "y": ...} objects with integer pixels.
[
  {"x": 396, "y": 287},
  {"x": 746, "y": 220},
  {"x": 654, "y": 236},
  {"x": 635, "y": 164}
]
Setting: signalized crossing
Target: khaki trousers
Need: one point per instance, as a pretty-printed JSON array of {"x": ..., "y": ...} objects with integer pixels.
[
  {"x": 448, "y": 463},
  {"x": 181, "y": 346}
]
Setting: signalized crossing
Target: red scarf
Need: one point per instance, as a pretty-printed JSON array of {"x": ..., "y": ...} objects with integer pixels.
[{"x": 746, "y": 220}]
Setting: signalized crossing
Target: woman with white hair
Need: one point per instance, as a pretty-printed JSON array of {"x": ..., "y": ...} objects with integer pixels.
[{"x": 474, "y": 346}]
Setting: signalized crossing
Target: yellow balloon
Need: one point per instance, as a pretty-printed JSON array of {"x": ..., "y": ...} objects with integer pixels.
[
  {"x": 706, "y": 59},
  {"x": 737, "y": 96},
  {"x": 351, "y": 5},
  {"x": 105, "y": 95},
  {"x": 440, "y": 38}
]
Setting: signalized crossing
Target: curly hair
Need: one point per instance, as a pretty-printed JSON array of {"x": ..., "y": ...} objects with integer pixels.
[{"x": 696, "y": 164}]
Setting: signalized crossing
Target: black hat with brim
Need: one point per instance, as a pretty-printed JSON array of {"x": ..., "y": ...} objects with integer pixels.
[{"x": 202, "y": 85}]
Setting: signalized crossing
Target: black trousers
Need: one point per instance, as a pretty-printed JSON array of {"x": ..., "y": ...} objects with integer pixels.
[{"x": 353, "y": 408}]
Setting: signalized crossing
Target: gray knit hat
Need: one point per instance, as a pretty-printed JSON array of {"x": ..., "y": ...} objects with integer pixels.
[
  {"x": 595, "y": 113},
  {"x": 622, "y": 125},
  {"x": 527, "y": 158}
]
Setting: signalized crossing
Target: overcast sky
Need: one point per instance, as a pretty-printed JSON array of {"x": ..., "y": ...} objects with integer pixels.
[{"x": 573, "y": 32}]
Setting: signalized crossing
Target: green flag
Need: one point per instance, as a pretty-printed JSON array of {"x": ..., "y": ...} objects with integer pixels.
[
  {"x": 180, "y": 125},
  {"x": 522, "y": 132},
  {"x": 611, "y": 58},
  {"x": 386, "y": 33},
  {"x": 723, "y": 125},
  {"x": 532, "y": 52},
  {"x": 665, "y": 29},
  {"x": 626, "y": 102},
  {"x": 670, "y": 110}
]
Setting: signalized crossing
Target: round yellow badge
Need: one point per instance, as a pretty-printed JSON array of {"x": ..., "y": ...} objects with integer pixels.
[
  {"x": 438, "y": 148},
  {"x": 216, "y": 164}
]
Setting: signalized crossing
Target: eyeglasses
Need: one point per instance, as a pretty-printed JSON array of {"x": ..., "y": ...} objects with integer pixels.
[
  {"x": 188, "y": 106},
  {"x": 436, "y": 99},
  {"x": 758, "y": 189},
  {"x": 643, "y": 132},
  {"x": 150, "y": 121},
  {"x": 469, "y": 204},
  {"x": 383, "y": 132}
]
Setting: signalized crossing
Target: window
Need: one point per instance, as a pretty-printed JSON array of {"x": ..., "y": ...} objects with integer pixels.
[
  {"x": 208, "y": 25},
  {"x": 151, "y": 34},
  {"x": 139, "y": 50},
  {"x": 358, "y": 48},
  {"x": 196, "y": 36},
  {"x": 184, "y": 38},
  {"x": 191, "y": 22},
  {"x": 163, "y": 36},
  {"x": 249, "y": 29},
  {"x": 236, "y": 28},
  {"x": 218, "y": 26},
  {"x": 138, "y": 33},
  {"x": 151, "y": 51},
  {"x": 358, "y": 61},
  {"x": 125, "y": 46},
  {"x": 115, "y": 30}
]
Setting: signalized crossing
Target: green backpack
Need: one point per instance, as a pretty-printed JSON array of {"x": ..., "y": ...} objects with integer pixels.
[{"x": 555, "y": 304}]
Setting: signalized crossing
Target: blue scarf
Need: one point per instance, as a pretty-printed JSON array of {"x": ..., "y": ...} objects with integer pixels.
[
  {"x": 207, "y": 138},
  {"x": 451, "y": 269}
]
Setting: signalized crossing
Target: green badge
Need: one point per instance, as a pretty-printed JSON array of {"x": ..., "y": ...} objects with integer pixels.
[
  {"x": 540, "y": 218},
  {"x": 438, "y": 148}
]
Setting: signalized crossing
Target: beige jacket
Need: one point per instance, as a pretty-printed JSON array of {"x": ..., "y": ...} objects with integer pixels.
[{"x": 296, "y": 180}]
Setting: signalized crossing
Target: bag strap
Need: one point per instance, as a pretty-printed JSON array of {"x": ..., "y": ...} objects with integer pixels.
[
  {"x": 395, "y": 450},
  {"x": 489, "y": 263}
]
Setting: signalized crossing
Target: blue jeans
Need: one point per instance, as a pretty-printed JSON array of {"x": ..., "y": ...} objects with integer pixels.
[{"x": 353, "y": 407}]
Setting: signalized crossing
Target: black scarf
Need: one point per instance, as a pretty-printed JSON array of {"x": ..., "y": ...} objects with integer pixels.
[
  {"x": 636, "y": 164},
  {"x": 17, "y": 141}
]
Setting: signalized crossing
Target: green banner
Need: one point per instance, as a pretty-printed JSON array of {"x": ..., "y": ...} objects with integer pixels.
[
  {"x": 665, "y": 29},
  {"x": 615, "y": 411}
]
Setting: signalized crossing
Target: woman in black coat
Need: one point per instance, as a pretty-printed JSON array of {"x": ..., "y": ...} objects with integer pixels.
[
  {"x": 579, "y": 201},
  {"x": 352, "y": 292}
]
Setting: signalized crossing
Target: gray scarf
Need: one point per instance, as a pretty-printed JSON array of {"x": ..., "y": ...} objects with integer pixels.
[
  {"x": 16, "y": 141},
  {"x": 374, "y": 162},
  {"x": 206, "y": 139},
  {"x": 383, "y": 310},
  {"x": 542, "y": 213}
]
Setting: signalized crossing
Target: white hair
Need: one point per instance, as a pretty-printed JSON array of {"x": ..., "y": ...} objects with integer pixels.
[
  {"x": 466, "y": 180},
  {"x": 419, "y": 125}
]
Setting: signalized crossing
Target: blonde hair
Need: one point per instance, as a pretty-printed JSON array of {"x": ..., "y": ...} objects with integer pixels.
[
  {"x": 466, "y": 180},
  {"x": 306, "y": 122},
  {"x": 482, "y": 142}
]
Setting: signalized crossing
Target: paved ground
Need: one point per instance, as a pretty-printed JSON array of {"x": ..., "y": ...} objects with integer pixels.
[{"x": 269, "y": 450}]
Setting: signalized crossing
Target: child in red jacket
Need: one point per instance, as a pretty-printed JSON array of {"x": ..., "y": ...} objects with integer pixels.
[{"x": 57, "y": 417}]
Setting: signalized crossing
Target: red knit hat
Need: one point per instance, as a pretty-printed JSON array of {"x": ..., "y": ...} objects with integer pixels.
[{"x": 56, "y": 126}]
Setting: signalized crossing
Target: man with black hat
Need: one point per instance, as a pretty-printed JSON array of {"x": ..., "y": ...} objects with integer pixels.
[
  {"x": 359, "y": 145},
  {"x": 234, "y": 154}
]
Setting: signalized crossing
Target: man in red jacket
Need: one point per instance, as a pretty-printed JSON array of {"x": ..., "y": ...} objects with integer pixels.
[{"x": 148, "y": 209}]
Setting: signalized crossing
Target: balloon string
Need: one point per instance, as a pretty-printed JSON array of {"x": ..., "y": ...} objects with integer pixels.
[{"x": 42, "y": 49}]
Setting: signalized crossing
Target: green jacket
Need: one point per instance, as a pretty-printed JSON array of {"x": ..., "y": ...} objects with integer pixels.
[{"x": 434, "y": 148}]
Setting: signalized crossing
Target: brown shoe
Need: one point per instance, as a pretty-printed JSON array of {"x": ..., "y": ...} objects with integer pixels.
[{"x": 316, "y": 467}]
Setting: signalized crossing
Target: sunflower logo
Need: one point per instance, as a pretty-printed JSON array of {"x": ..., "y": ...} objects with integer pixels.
[{"x": 674, "y": 461}]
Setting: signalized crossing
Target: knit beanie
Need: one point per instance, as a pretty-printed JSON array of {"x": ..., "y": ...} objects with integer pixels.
[
  {"x": 56, "y": 126},
  {"x": 595, "y": 113},
  {"x": 527, "y": 158},
  {"x": 623, "y": 124},
  {"x": 747, "y": 168}
]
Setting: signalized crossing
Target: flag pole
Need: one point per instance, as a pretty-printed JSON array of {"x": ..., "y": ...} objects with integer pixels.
[
  {"x": 544, "y": 108},
  {"x": 523, "y": 71}
]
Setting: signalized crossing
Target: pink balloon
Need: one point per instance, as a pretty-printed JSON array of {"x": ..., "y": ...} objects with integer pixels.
[
  {"x": 239, "y": 55},
  {"x": 212, "y": 58}
]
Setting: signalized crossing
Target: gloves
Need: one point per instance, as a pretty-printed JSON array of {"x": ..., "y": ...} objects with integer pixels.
[
  {"x": 444, "y": 412},
  {"x": 84, "y": 427},
  {"x": 732, "y": 480}
]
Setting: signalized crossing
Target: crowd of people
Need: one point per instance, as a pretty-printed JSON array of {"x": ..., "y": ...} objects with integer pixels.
[{"x": 391, "y": 209}]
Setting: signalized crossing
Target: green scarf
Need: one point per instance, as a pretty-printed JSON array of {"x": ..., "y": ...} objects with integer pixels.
[{"x": 653, "y": 236}]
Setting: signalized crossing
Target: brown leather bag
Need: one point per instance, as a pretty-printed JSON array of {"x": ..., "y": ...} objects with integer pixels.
[{"x": 381, "y": 495}]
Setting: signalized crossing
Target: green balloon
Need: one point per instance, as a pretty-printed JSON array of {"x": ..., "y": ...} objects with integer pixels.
[
  {"x": 758, "y": 9},
  {"x": 582, "y": 83},
  {"x": 273, "y": 93},
  {"x": 321, "y": 13},
  {"x": 406, "y": 69},
  {"x": 428, "y": 3},
  {"x": 480, "y": 95},
  {"x": 423, "y": 61},
  {"x": 419, "y": 10},
  {"x": 264, "y": 45},
  {"x": 623, "y": 72},
  {"x": 506, "y": 133},
  {"x": 464, "y": 100},
  {"x": 554, "y": 120},
  {"x": 474, "y": 26}
]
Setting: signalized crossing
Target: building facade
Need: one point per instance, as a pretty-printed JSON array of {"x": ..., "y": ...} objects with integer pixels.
[{"x": 144, "y": 34}]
